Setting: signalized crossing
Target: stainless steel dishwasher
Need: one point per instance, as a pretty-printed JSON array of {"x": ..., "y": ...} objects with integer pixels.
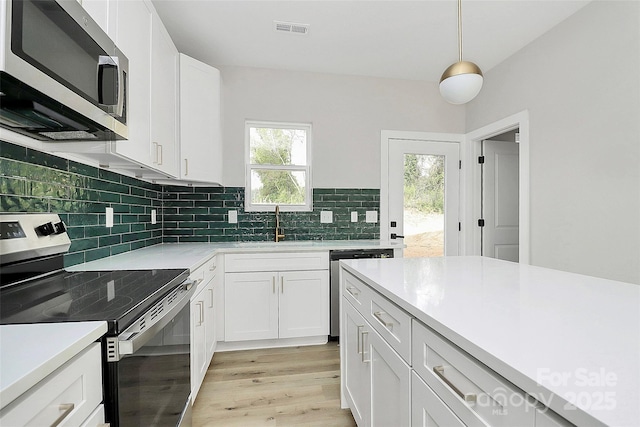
[{"x": 335, "y": 257}]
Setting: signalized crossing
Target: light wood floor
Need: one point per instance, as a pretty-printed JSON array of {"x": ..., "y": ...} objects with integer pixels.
[{"x": 273, "y": 387}]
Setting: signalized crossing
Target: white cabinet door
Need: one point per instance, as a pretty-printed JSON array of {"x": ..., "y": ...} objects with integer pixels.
[
  {"x": 133, "y": 37},
  {"x": 251, "y": 306},
  {"x": 200, "y": 132},
  {"x": 304, "y": 303},
  {"x": 355, "y": 369},
  {"x": 427, "y": 410},
  {"x": 390, "y": 383},
  {"x": 210, "y": 317},
  {"x": 199, "y": 361},
  {"x": 164, "y": 99}
]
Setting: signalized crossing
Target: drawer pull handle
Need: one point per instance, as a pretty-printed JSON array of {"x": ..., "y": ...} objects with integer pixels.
[
  {"x": 359, "y": 342},
  {"x": 66, "y": 409},
  {"x": 364, "y": 333},
  {"x": 211, "y": 295},
  {"x": 201, "y": 314},
  {"x": 378, "y": 315},
  {"x": 353, "y": 291},
  {"x": 273, "y": 284},
  {"x": 467, "y": 397}
]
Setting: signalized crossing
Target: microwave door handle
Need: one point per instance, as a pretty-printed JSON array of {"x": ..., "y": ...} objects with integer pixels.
[
  {"x": 116, "y": 109},
  {"x": 121, "y": 88}
]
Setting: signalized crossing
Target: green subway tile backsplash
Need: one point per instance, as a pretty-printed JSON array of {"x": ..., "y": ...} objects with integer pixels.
[
  {"x": 189, "y": 216},
  {"x": 32, "y": 181}
]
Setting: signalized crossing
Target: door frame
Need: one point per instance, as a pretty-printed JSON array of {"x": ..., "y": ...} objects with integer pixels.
[
  {"x": 472, "y": 145},
  {"x": 386, "y": 138}
]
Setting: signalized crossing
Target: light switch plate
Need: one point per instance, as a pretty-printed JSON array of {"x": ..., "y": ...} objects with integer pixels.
[
  {"x": 154, "y": 216},
  {"x": 372, "y": 216},
  {"x": 233, "y": 217},
  {"x": 109, "y": 217},
  {"x": 326, "y": 217},
  {"x": 354, "y": 216}
]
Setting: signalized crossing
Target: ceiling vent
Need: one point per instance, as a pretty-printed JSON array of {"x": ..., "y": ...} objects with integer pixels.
[{"x": 290, "y": 27}]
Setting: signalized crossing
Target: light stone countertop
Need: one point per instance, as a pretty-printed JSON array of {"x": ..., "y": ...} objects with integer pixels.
[
  {"x": 28, "y": 353},
  {"x": 193, "y": 255},
  {"x": 559, "y": 336}
]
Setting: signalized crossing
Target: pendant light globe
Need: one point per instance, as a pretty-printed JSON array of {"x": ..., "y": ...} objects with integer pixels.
[{"x": 461, "y": 82}]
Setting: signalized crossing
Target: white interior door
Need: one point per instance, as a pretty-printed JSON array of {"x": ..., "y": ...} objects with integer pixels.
[
  {"x": 500, "y": 200},
  {"x": 424, "y": 183}
]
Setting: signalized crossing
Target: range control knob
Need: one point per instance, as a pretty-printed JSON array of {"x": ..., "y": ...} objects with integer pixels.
[
  {"x": 59, "y": 228},
  {"x": 45, "y": 229}
]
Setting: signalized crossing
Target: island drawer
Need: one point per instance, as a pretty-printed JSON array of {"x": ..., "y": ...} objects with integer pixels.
[
  {"x": 476, "y": 393},
  {"x": 276, "y": 261},
  {"x": 391, "y": 322},
  {"x": 66, "y": 397},
  {"x": 356, "y": 292}
]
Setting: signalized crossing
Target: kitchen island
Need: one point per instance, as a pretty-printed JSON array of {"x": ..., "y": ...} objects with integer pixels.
[{"x": 571, "y": 342}]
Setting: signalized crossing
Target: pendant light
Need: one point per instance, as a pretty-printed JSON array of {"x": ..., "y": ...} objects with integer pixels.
[{"x": 462, "y": 81}]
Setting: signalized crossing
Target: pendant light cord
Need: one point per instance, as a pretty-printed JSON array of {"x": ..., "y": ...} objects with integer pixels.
[{"x": 459, "y": 30}]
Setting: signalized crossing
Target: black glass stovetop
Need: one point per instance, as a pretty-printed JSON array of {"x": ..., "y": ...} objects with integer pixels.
[{"x": 118, "y": 297}]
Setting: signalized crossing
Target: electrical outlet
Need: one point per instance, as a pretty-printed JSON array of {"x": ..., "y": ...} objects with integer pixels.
[
  {"x": 371, "y": 216},
  {"x": 233, "y": 217},
  {"x": 109, "y": 217},
  {"x": 154, "y": 216},
  {"x": 326, "y": 217},
  {"x": 354, "y": 216}
]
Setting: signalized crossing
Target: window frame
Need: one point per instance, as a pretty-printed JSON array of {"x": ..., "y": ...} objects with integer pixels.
[{"x": 249, "y": 167}]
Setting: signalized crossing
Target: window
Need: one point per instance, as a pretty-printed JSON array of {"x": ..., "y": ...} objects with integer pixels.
[{"x": 278, "y": 158}]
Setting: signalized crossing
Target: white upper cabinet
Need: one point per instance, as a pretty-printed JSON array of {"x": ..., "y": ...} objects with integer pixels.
[
  {"x": 164, "y": 100},
  {"x": 133, "y": 37},
  {"x": 200, "y": 131}
]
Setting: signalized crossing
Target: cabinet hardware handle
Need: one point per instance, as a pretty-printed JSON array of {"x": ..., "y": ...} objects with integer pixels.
[
  {"x": 467, "y": 397},
  {"x": 378, "y": 315},
  {"x": 155, "y": 153},
  {"x": 212, "y": 266},
  {"x": 201, "y": 315},
  {"x": 282, "y": 285},
  {"x": 211, "y": 294},
  {"x": 66, "y": 409},
  {"x": 364, "y": 333},
  {"x": 186, "y": 167},
  {"x": 353, "y": 293},
  {"x": 160, "y": 154},
  {"x": 273, "y": 284},
  {"x": 359, "y": 332}
]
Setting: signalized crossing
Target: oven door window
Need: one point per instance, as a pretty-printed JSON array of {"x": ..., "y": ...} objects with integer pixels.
[{"x": 154, "y": 383}]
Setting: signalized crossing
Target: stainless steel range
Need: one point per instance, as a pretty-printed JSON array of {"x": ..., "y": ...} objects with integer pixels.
[{"x": 146, "y": 351}]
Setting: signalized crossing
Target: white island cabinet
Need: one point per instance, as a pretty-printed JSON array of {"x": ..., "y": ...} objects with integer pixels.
[
  {"x": 51, "y": 374},
  {"x": 492, "y": 343},
  {"x": 270, "y": 298}
]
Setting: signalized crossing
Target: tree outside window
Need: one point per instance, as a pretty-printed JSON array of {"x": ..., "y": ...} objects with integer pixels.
[{"x": 278, "y": 171}]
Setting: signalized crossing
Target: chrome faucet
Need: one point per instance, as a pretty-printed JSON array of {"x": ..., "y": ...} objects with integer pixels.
[{"x": 278, "y": 231}]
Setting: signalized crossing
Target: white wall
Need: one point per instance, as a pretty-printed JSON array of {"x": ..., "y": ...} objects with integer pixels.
[
  {"x": 347, "y": 114},
  {"x": 581, "y": 85}
]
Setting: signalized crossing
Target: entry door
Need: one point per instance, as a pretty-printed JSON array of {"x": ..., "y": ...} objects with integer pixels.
[
  {"x": 424, "y": 183},
  {"x": 500, "y": 200}
]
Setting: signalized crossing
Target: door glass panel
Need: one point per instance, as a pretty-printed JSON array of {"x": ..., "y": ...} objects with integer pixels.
[{"x": 423, "y": 209}]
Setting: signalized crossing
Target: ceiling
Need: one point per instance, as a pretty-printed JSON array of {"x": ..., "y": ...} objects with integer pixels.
[{"x": 413, "y": 40}]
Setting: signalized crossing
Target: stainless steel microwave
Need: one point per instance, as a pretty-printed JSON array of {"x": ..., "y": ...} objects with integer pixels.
[{"x": 61, "y": 76}]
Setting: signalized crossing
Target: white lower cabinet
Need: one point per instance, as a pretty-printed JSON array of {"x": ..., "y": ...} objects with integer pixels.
[
  {"x": 203, "y": 324},
  {"x": 68, "y": 396},
  {"x": 270, "y": 305},
  {"x": 377, "y": 380}
]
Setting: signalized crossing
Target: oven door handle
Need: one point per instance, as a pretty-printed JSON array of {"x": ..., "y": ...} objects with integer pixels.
[{"x": 137, "y": 339}]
